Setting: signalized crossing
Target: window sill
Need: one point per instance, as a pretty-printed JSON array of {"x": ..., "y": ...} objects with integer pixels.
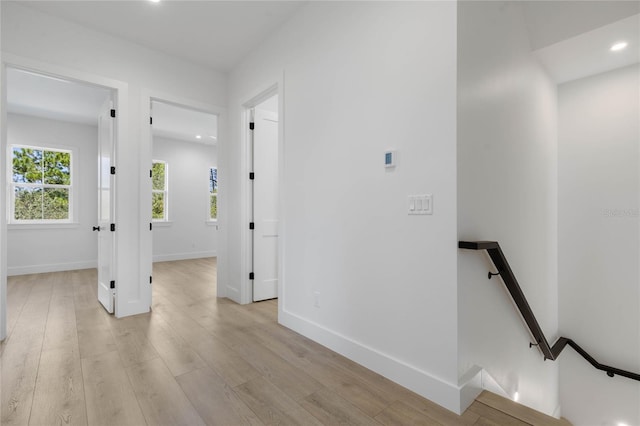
[
  {"x": 211, "y": 223},
  {"x": 162, "y": 223},
  {"x": 30, "y": 226}
]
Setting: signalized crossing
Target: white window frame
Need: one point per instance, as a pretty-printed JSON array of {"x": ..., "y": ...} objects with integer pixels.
[
  {"x": 160, "y": 191},
  {"x": 11, "y": 220},
  {"x": 209, "y": 193}
]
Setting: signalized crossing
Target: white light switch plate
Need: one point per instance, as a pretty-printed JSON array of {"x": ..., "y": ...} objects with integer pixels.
[{"x": 420, "y": 204}]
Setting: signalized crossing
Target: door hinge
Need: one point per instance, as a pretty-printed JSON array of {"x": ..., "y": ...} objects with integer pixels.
[
  {"x": 151, "y": 226},
  {"x": 113, "y": 113},
  {"x": 150, "y": 173},
  {"x": 251, "y": 275},
  {"x": 113, "y": 227},
  {"x": 252, "y": 126},
  {"x": 150, "y": 279},
  {"x": 150, "y": 120},
  {"x": 112, "y": 284},
  {"x": 113, "y": 170},
  {"x": 252, "y": 176},
  {"x": 252, "y": 225}
]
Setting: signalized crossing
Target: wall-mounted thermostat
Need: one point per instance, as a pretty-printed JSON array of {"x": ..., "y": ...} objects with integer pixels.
[{"x": 390, "y": 158}]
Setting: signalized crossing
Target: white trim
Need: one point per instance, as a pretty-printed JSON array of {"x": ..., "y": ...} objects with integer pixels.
[
  {"x": 165, "y": 192},
  {"x": 26, "y": 226},
  {"x": 276, "y": 87},
  {"x": 421, "y": 382},
  {"x": 207, "y": 216},
  {"x": 3, "y": 195},
  {"x": 147, "y": 96},
  {"x": 162, "y": 223},
  {"x": 183, "y": 256},
  {"x": 51, "y": 267},
  {"x": 120, "y": 92},
  {"x": 72, "y": 187}
]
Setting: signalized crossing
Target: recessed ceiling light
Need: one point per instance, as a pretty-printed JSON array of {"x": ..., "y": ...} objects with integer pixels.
[
  {"x": 198, "y": 137},
  {"x": 213, "y": 137},
  {"x": 619, "y": 46},
  {"x": 154, "y": 1}
]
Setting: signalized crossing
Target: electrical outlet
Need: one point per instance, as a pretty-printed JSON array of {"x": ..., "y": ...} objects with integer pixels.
[{"x": 316, "y": 299}]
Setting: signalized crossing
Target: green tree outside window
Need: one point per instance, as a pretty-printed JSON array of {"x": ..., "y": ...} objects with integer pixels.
[
  {"x": 213, "y": 193},
  {"x": 41, "y": 180},
  {"x": 159, "y": 188}
]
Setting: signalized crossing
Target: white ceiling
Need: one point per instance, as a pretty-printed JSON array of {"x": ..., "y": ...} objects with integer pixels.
[
  {"x": 216, "y": 34},
  {"x": 550, "y": 22},
  {"x": 56, "y": 99},
  {"x": 572, "y": 38},
  {"x": 176, "y": 122},
  {"x": 53, "y": 98},
  {"x": 589, "y": 53}
]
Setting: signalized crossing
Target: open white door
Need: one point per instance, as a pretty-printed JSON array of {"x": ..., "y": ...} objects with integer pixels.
[
  {"x": 265, "y": 205},
  {"x": 106, "y": 276}
]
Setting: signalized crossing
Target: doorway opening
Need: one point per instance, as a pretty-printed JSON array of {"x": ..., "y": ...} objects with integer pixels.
[
  {"x": 184, "y": 187},
  {"x": 264, "y": 198},
  {"x": 59, "y": 145}
]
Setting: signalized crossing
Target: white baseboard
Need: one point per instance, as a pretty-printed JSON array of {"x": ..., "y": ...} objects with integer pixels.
[
  {"x": 51, "y": 267},
  {"x": 183, "y": 256},
  {"x": 420, "y": 382},
  {"x": 471, "y": 385}
]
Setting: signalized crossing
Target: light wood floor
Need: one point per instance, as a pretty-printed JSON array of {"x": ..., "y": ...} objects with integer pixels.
[{"x": 194, "y": 360}]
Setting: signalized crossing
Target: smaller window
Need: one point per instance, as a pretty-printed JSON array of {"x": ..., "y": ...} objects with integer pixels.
[
  {"x": 160, "y": 194},
  {"x": 213, "y": 193},
  {"x": 41, "y": 185}
]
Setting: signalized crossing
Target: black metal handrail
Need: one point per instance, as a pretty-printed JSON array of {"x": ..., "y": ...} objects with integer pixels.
[{"x": 511, "y": 283}]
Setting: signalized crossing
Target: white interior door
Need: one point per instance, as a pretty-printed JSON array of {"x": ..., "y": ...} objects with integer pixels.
[
  {"x": 106, "y": 283},
  {"x": 265, "y": 205}
]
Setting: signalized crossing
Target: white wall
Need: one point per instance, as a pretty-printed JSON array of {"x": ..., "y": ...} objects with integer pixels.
[
  {"x": 188, "y": 234},
  {"x": 360, "y": 78},
  {"x": 55, "y": 42},
  {"x": 43, "y": 248},
  {"x": 507, "y": 160},
  {"x": 599, "y": 135}
]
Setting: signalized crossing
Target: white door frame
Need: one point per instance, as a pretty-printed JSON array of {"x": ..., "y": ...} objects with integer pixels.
[
  {"x": 246, "y": 287},
  {"x": 146, "y": 158},
  {"x": 120, "y": 95}
]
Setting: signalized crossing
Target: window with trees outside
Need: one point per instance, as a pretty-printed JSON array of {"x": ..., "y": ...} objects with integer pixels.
[
  {"x": 213, "y": 193},
  {"x": 41, "y": 185},
  {"x": 160, "y": 191}
]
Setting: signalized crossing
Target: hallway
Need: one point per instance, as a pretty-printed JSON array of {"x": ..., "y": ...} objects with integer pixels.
[{"x": 195, "y": 359}]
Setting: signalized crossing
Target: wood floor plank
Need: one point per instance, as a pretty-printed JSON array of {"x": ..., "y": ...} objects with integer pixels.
[
  {"x": 176, "y": 353},
  {"x": 217, "y": 355},
  {"x": 20, "y": 361},
  {"x": 519, "y": 411},
  {"x": 216, "y": 402},
  {"x": 18, "y": 289},
  {"x": 331, "y": 409},
  {"x": 60, "y": 331},
  {"x": 21, "y": 356},
  {"x": 292, "y": 380},
  {"x": 273, "y": 406},
  {"x": 161, "y": 398},
  {"x": 59, "y": 391},
  {"x": 400, "y": 413},
  {"x": 369, "y": 399},
  {"x": 495, "y": 416},
  {"x": 437, "y": 412},
  {"x": 133, "y": 345},
  {"x": 110, "y": 398}
]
